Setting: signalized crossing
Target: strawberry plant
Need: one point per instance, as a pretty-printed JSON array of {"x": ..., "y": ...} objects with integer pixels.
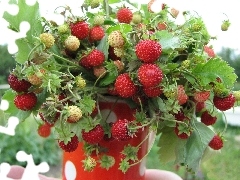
[{"x": 167, "y": 72}]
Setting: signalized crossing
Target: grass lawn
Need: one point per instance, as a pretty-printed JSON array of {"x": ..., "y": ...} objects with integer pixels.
[{"x": 220, "y": 165}]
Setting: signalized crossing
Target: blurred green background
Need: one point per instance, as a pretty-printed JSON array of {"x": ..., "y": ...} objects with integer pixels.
[{"x": 216, "y": 166}]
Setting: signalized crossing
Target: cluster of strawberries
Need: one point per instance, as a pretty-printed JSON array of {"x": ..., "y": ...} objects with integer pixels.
[{"x": 165, "y": 71}]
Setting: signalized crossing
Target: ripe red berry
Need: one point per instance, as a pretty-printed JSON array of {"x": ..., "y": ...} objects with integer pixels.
[
  {"x": 18, "y": 85},
  {"x": 80, "y": 29},
  {"x": 182, "y": 97},
  {"x": 26, "y": 101},
  {"x": 153, "y": 91},
  {"x": 124, "y": 86},
  {"x": 225, "y": 103},
  {"x": 71, "y": 145},
  {"x": 208, "y": 119},
  {"x": 44, "y": 130},
  {"x": 149, "y": 75},
  {"x": 95, "y": 57},
  {"x": 181, "y": 135},
  {"x": 96, "y": 33},
  {"x": 148, "y": 50},
  {"x": 201, "y": 96},
  {"x": 210, "y": 52},
  {"x": 216, "y": 143},
  {"x": 124, "y": 15},
  {"x": 120, "y": 131},
  {"x": 200, "y": 106},
  {"x": 93, "y": 136}
]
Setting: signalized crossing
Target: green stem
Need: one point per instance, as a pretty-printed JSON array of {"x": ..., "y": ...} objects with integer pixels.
[{"x": 107, "y": 8}]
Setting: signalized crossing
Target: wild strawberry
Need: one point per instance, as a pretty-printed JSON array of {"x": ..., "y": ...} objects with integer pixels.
[
  {"x": 47, "y": 39},
  {"x": 94, "y": 3},
  {"x": 80, "y": 82},
  {"x": 149, "y": 75},
  {"x": 180, "y": 116},
  {"x": 161, "y": 26},
  {"x": 99, "y": 71},
  {"x": 98, "y": 20},
  {"x": 36, "y": 78},
  {"x": 225, "y": 103},
  {"x": 84, "y": 62},
  {"x": 181, "y": 95},
  {"x": 152, "y": 91},
  {"x": 208, "y": 119},
  {"x": 148, "y": 50},
  {"x": 125, "y": 86},
  {"x": 137, "y": 18},
  {"x": 182, "y": 133},
  {"x": 119, "y": 52},
  {"x": 174, "y": 12},
  {"x": 72, "y": 43},
  {"x": 216, "y": 142},
  {"x": 124, "y": 15},
  {"x": 74, "y": 114},
  {"x": 120, "y": 130},
  {"x": 96, "y": 57},
  {"x": 44, "y": 130},
  {"x": 119, "y": 64},
  {"x": 93, "y": 136},
  {"x": 80, "y": 29},
  {"x": 25, "y": 101},
  {"x": 18, "y": 85},
  {"x": 71, "y": 145},
  {"x": 63, "y": 28},
  {"x": 200, "y": 106},
  {"x": 96, "y": 33},
  {"x": 210, "y": 52},
  {"x": 201, "y": 96},
  {"x": 116, "y": 39},
  {"x": 225, "y": 25}
]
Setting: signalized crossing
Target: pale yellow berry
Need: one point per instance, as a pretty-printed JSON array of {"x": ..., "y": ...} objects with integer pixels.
[
  {"x": 72, "y": 43},
  {"x": 74, "y": 114},
  {"x": 47, "y": 39}
]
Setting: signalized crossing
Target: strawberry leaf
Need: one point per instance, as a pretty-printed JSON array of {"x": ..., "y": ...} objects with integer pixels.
[
  {"x": 213, "y": 69},
  {"x": 197, "y": 144},
  {"x": 167, "y": 40},
  {"x": 32, "y": 17}
]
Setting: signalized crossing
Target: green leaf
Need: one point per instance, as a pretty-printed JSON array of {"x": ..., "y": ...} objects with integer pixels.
[
  {"x": 197, "y": 144},
  {"x": 167, "y": 40},
  {"x": 13, "y": 110},
  {"x": 28, "y": 14},
  {"x": 215, "y": 68},
  {"x": 103, "y": 46}
]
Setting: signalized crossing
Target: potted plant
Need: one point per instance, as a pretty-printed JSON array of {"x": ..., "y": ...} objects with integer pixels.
[{"x": 104, "y": 82}]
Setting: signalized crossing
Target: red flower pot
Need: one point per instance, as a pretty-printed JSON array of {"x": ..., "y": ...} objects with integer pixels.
[{"x": 72, "y": 162}]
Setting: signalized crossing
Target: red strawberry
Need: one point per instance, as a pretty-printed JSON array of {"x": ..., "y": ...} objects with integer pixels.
[
  {"x": 200, "y": 106},
  {"x": 180, "y": 116},
  {"x": 18, "y": 85},
  {"x": 71, "y": 145},
  {"x": 209, "y": 51},
  {"x": 95, "y": 57},
  {"x": 124, "y": 86},
  {"x": 120, "y": 131},
  {"x": 44, "y": 130},
  {"x": 225, "y": 103},
  {"x": 161, "y": 26},
  {"x": 80, "y": 29},
  {"x": 84, "y": 62},
  {"x": 149, "y": 75},
  {"x": 208, "y": 119},
  {"x": 93, "y": 136},
  {"x": 124, "y": 15},
  {"x": 181, "y": 135},
  {"x": 96, "y": 33},
  {"x": 153, "y": 91},
  {"x": 216, "y": 143},
  {"x": 148, "y": 50},
  {"x": 181, "y": 95},
  {"x": 26, "y": 101},
  {"x": 201, "y": 96}
]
